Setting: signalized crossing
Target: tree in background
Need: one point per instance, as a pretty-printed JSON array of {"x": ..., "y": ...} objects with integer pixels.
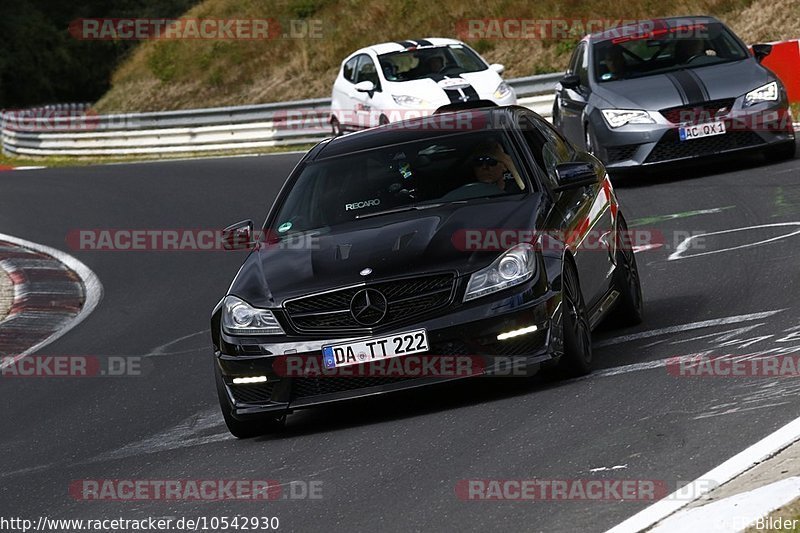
[{"x": 41, "y": 63}]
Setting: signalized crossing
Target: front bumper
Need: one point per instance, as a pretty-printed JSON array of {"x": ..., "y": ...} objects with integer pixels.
[
  {"x": 469, "y": 330},
  {"x": 755, "y": 128}
]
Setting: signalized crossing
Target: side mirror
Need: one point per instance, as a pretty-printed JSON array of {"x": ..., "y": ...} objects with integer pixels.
[
  {"x": 760, "y": 51},
  {"x": 571, "y": 81},
  {"x": 575, "y": 174},
  {"x": 497, "y": 67},
  {"x": 365, "y": 86},
  {"x": 238, "y": 236}
]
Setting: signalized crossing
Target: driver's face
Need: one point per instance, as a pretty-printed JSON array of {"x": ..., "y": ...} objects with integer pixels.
[
  {"x": 615, "y": 63},
  {"x": 489, "y": 170},
  {"x": 435, "y": 63}
]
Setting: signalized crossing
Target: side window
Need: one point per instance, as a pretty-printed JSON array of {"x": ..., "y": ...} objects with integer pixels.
[
  {"x": 538, "y": 145},
  {"x": 367, "y": 71},
  {"x": 575, "y": 60},
  {"x": 349, "y": 70},
  {"x": 553, "y": 148},
  {"x": 583, "y": 65}
]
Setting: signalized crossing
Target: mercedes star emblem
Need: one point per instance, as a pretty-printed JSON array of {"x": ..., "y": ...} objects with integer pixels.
[{"x": 368, "y": 307}]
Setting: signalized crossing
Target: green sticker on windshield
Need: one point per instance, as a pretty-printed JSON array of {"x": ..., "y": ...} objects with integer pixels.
[{"x": 286, "y": 226}]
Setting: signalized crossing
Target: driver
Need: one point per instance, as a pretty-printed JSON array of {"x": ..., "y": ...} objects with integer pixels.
[
  {"x": 490, "y": 164},
  {"x": 434, "y": 64},
  {"x": 615, "y": 61},
  {"x": 687, "y": 49}
]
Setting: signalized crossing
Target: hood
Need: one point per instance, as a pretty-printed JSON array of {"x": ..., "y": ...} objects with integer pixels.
[
  {"x": 400, "y": 244},
  {"x": 659, "y": 91},
  {"x": 476, "y": 86}
]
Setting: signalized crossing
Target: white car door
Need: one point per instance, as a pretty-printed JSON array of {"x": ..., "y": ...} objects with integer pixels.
[{"x": 343, "y": 98}]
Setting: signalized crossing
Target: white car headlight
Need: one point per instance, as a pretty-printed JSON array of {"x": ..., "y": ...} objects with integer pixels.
[
  {"x": 404, "y": 99},
  {"x": 515, "y": 266},
  {"x": 765, "y": 93},
  {"x": 239, "y": 318},
  {"x": 502, "y": 90},
  {"x": 620, "y": 117}
]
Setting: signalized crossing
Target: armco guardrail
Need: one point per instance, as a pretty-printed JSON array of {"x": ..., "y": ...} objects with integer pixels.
[{"x": 71, "y": 131}]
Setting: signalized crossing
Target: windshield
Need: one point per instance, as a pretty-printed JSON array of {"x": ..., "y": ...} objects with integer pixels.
[
  {"x": 634, "y": 56},
  {"x": 467, "y": 167},
  {"x": 436, "y": 63}
]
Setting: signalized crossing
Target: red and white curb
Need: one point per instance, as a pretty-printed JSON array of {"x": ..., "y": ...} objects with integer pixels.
[
  {"x": 52, "y": 293},
  {"x": 6, "y": 167}
]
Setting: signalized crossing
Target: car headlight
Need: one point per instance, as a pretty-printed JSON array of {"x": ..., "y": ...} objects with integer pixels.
[
  {"x": 515, "y": 266},
  {"x": 502, "y": 90},
  {"x": 620, "y": 117},
  {"x": 239, "y": 318},
  {"x": 765, "y": 93},
  {"x": 404, "y": 99}
]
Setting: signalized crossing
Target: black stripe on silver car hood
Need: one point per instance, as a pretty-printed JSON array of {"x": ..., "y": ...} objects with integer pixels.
[{"x": 689, "y": 86}]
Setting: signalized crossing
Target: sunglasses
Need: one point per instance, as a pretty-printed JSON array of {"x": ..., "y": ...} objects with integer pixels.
[{"x": 485, "y": 161}]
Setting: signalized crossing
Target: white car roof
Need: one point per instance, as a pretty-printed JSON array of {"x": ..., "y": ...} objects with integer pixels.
[{"x": 399, "y": 46}]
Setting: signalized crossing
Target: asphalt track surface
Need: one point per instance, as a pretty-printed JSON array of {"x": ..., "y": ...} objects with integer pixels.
[{"x": 394, "y": 462}]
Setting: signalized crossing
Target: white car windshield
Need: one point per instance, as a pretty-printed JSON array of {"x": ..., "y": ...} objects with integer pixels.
[{"x": 430, "y": 62}]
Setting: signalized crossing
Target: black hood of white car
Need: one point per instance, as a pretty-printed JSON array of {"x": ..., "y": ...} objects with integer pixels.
[
  {"x": 683, "y": 86},
  {"x": 391, "y": 245}
]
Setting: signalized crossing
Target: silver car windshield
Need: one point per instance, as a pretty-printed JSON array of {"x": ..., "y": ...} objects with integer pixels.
[{"x": 635, "y": 56}]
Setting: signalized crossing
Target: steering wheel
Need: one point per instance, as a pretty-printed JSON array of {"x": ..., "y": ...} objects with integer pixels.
[
  {"x": 696, "y": 56},
  {"x": 473, "y": 189},
  {"x": 444, "y": 70}
]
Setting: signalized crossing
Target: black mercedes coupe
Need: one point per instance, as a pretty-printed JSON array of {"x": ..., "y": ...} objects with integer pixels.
[{"x": 478, "y": 242}]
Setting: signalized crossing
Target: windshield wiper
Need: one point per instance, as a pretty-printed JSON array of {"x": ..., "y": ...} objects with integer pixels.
[{"x": 416, "y": 207}]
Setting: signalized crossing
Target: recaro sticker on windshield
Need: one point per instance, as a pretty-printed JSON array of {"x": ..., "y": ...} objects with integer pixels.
[
  {"x": 286, "y": 226},
  {"x": 361, "y": 205}
]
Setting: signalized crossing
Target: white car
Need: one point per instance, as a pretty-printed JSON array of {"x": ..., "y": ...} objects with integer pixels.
[{"x": 399, "y": 80}]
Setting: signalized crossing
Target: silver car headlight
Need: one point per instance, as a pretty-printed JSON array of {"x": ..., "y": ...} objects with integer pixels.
[
  {"x": 405, "y": 99},
  {"x": 619, "y": 117},
  {"x": 515, "y": 266},
  {"x": 240, "y": 318},
  {"x": 765, "y": 93},
  {"x": 502, "y": 90}
]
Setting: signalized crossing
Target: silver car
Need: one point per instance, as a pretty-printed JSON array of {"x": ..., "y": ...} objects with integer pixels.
[{"x": 673, "y": 89}]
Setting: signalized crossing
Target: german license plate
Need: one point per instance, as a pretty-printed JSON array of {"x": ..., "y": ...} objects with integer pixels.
[
  {"x": 697, "y": 131},
  {"x": 375, "y": 349}
]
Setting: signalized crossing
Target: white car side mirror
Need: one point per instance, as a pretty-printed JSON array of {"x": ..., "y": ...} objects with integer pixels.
[
  {"x": 497, "y": 67},
  {"x": 365, "y": 86}
]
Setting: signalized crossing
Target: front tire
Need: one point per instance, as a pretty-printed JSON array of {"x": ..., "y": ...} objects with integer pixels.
[
  {"x": 576, "y": 333},
  {"x": 630, "y": 304},
  {"x": 589, "y": 139},
  {"x": 244, "y": 429},
  {"x": 336, "y": 128},
  {"x": 783, "y": 152}
]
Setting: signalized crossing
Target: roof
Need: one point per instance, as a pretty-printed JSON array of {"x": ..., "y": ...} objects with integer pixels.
[
  {"x": 644, "y": 26},
  {"x": 399, "y": 46}
]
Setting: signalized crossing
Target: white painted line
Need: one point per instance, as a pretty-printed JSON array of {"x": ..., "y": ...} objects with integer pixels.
[
  {"x": 28, "y": 168},
  {"x": 733, "y": 467},
  {"x": 734, "y": 513},
  {"x": 685, "y": 327},
  {"x": 683, "y": 246},
  {"x": 607, "y": 468},
  {"x": 91, "y": 283}
]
